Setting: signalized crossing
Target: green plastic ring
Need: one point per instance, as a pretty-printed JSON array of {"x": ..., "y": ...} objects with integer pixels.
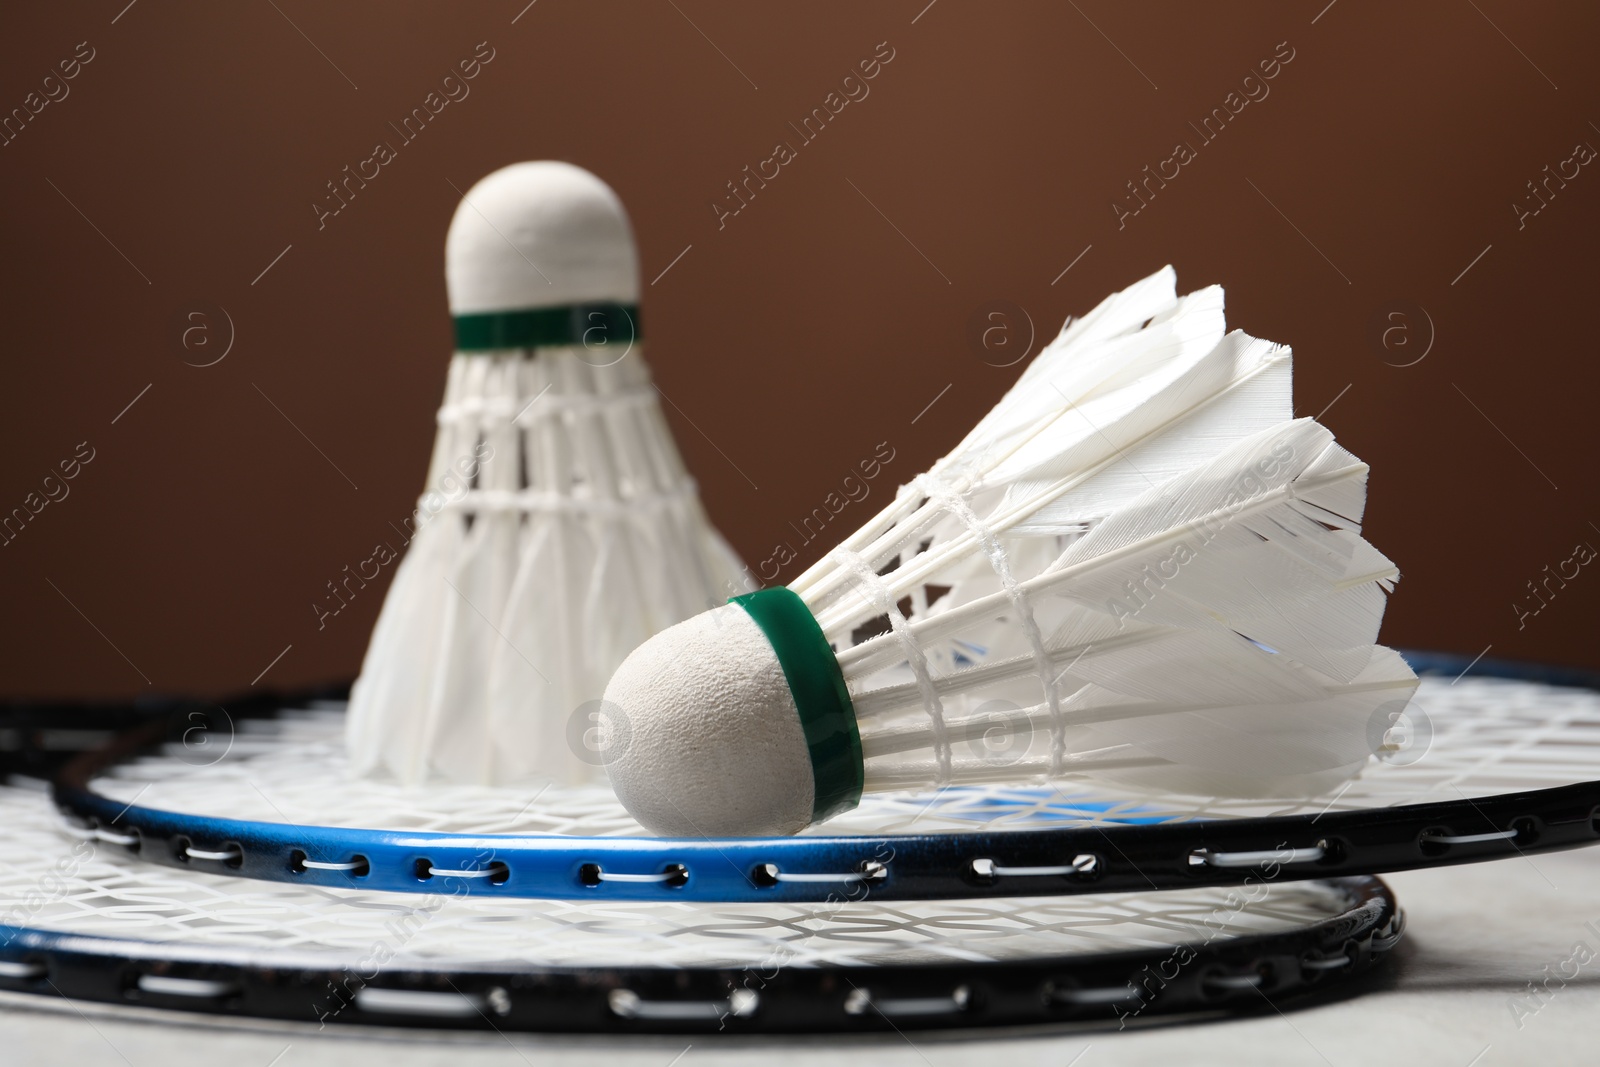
[
  {"x": 590, "y": 325},
  {"x": 827, "y": 717}
]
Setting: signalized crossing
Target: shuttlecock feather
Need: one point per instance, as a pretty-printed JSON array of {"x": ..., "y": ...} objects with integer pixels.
[
  {"x": 1137, "y": 567},
  {"x": 559, "y": 528}
]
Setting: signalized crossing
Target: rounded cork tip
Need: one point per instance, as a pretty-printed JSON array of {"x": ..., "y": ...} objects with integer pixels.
[
  {"x": 539, "y": 234},
  {"x": 706, "y": 740}
]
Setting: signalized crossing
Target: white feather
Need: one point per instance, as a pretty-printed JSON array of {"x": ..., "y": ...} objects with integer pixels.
[
  {"x": 579, "y": 536},
  {"x": 1156, "y": 572}
]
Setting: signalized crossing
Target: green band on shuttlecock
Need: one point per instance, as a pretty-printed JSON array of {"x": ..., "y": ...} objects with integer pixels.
[
  {"x": 826, "y": 715},
  {"x": 591, "y": 325}
]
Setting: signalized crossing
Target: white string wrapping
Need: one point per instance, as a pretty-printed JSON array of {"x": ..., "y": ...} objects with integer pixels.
[
  {"x": 916, "y": 660},
  {"x": 996, "y": 553}
]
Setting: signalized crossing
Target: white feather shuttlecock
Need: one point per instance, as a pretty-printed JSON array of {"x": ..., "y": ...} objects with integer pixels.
[
  {"x": 559, "y": 528},
  {"x": 1138, "y": 567}
]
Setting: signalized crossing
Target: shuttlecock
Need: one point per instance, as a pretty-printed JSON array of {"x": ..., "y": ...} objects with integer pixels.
[
  {"x": 1139, "y": 566},
  {"x": 559, "y": 528}
]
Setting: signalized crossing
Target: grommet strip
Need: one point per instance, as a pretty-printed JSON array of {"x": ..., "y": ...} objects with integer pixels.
[
  {"x": 199, "y": 988},
  {"x": 100, "y": 833},
  {"x": 1326, "y": 963},
  {"x": 1095, "y": 996},
  {"x": 1468, "y": 839},
  {"x": 1202, "y": 857},
  {"x": 852, "y": 877},
  {"x": 439, "y": 1005},
  {"x": 627, "y": 1004},
  {"x": 674, "y": 877},
  {"x": 664, "y": 876},
  {"x": 226, "y": 855},
  {"x": 446, "y": 872},
  {"x": 860, "y": 1001},
  {"x": 767, "y": 875},
  {"x": 1086, "y": 864}
]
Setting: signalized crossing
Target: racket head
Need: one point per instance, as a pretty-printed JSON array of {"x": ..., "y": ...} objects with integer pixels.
[
  {"x": 1206, "y": 976},
  {"x": 1490, "y": 766},
  {"x": 93, "y": 923}
]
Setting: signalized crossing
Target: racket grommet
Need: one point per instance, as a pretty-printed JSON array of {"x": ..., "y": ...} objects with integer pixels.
[
  {"x": 873, "y": 871},
  {"x": 423, "y": 869},
  {"x": 1433, "y": 841},
  {"x": 764, "y": 875},
  {"x": 1527, "y": 829},
  {"x": 1218, "y": 982},
  {"x": 1334, "y": 851},
  {"x": 677, "y": 875},
  {"x": 498, "y": 1000},
  {"x": 590, "y": 875},
  {"x": 29, "y": 970},
  {"x": 230, "y": 855},
  {"x": 1314, "y": 963},
  {"x": 743, "y": 1003},
  {"x": 982, "y": 871},
  {"x": 362, "y": 868},
  {"x": 1068, "y": 994},
  {"x": 499, "y": 873},
  {"x": 1389, "y": 936},
  {"x": 1087, "y": 867},
  {"x": 297, "y": 862}
]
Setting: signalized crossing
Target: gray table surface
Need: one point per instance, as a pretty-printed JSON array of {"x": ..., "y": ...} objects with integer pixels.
[{"x": 1453, "y": 993}]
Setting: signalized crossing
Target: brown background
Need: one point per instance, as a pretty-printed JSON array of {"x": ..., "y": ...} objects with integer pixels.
[{"x": 808, "y": 329}]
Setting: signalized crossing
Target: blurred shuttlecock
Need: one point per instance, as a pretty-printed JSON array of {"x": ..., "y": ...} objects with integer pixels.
[
  {"x": 1139, "y": 566},
  {"x": 559, "y": 528}
]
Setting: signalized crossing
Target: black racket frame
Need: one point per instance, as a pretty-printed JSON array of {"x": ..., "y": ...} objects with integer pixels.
[{"x": 1222, "y": 973}]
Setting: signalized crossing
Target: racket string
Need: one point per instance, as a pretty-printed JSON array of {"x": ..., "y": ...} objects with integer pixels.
[
  {"x": 1085, "y": 865},
  {"x": 100, "y": 833},
  {"x": 862, "y": 1000},
  {"x": 1326, "y": 963},
  {"x": 1487, "y": 736},
  {"x": 1469, "y": 839},
  {"x": 1202, "y": 857},
  {"x": 770, "y": 874},
  {"x": 626, "y": 1004},
  {"x": 226, "y": 855}
]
